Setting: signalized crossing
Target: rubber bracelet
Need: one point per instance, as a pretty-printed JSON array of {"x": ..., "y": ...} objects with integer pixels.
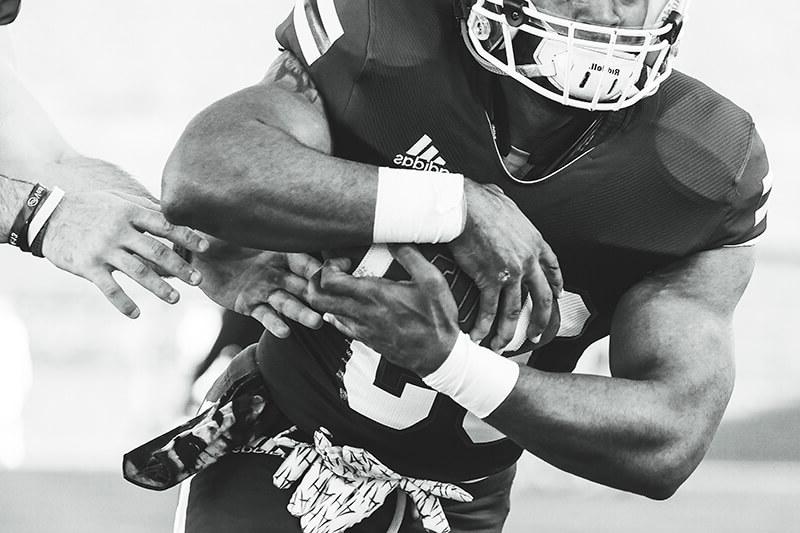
[
  {"x": 18, "y": 236},
  {"x": 39, "y": 200},
  {"x": 38, "y": 242},
  {"x": 415, "y": 206},
  {"x": 43, "y": 213},
  {"x": 475, "y": 377}
]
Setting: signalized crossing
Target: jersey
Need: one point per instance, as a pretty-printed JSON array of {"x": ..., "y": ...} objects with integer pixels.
[{"x": 637, "y": 191}]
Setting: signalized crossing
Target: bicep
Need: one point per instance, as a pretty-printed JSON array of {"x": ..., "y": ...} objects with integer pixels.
[
  {"x": 285, "y": 103},
  {"x": 674, "y": 331}
]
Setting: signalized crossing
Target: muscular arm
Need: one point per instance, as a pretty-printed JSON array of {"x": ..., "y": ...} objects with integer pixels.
[
  {"x": 646, "y": 428},
  {"x": 643, "y": 430},
  {"x": 256, "y": 168}
]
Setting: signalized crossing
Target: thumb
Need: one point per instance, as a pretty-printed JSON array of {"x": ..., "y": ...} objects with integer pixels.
[{"x": 417, "y": 266}]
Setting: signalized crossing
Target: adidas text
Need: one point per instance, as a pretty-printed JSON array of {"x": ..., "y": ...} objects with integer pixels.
[{"x": 417, "y": 163}]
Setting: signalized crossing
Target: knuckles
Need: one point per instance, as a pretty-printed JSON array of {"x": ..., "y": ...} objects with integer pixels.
[
  {"x": 140, "y": 269},
  {"x": 160, "y": 252}
]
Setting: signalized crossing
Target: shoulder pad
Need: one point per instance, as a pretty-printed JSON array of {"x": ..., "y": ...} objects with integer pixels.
[{"x": 711, "y": 148}]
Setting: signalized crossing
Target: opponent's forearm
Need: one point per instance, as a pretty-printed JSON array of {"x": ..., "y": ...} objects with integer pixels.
[
  {"x": 259, "y": 187},
  {"x": 621, "y": 433},
  {"x": 80, "y": 173},
  {"x": 71, "y": 173}
]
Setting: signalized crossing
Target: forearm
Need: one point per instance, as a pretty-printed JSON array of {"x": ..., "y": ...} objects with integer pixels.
[
  {"x": 257, "y": 186},
  {"x": 80, "y": 173},
  {"x": 12, "y": 196},
  {"x": 74, "y": 173},
  {"x": 621, "y": 433}
]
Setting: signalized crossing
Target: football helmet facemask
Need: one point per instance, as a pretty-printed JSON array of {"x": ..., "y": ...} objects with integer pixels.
[{"x": 588, "y": 66}]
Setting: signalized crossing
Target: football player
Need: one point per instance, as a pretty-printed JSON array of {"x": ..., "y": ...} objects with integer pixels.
[
  {"x": 374, "y": 124},
  {"x": 86, "y": 216}
]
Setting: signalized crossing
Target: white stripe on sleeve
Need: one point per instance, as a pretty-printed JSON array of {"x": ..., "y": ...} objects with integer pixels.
[
  {"x": 330, "y": 19},
  {"x": 305, "y": 37}
]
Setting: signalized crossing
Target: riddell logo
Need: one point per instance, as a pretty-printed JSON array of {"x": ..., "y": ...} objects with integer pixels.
[{"x": 422, "y": 156}]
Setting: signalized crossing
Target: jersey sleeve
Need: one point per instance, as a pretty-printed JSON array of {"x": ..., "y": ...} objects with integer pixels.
[
  {"x": 746, "y": 218},
  {"x": 330, "y": 38}
]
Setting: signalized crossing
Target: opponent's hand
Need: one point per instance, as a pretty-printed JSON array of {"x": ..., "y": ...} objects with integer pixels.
[
  {"x": 92, "y": 234},
  {"x": 413, "y": 324},
  {"x": 267, "y": 286},
  {"x": 506, "y": 257}
]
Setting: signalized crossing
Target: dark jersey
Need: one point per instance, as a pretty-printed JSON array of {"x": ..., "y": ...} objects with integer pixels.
[{"x": 681, "y": 172}]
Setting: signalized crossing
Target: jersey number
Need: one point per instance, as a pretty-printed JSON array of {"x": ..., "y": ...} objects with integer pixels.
[{"x": 397, "y": 398}]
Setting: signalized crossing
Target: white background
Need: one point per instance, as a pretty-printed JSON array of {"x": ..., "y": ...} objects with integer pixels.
[{"x": 122, "y": 78}]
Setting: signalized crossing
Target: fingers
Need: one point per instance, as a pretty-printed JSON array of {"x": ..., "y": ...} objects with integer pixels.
[
  {"x": 332, "y": 291},
  {"x": 303, "y": 265},
  {"x": 155, "y": 223},
  {"x": 552, "y": 271},
  {"x": 287, "y": 305},
  {"x": 277, "y": 279},
  {"x": 114, "y": 294},
  {"x": 144, "y": 276},
  {"x": 164, "y": 258},
  {"x": 418, "y": 267},
  {"x": 508, "y": 316},
  {"x": 542, "y": 296},
  {"x": 342, "y": 264},
  {"x": 339, "y": 324},
  {"x": 487, "y": 308},
  {"x": 271, "y": 321}
]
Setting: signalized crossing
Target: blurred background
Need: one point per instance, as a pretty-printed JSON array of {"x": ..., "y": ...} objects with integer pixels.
[{"x": 80, "y": 384}]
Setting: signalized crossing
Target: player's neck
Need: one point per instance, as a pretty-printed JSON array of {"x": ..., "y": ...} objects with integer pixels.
[{"x": 534, "y": 119}]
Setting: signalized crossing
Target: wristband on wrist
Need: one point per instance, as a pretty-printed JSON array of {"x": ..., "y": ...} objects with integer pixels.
[
  {"x": 36, "y": 245},
  {"x": 43, "y": 213},
  {"x": 18, "y": 236},
  {"x": 415, "y": 206},
  {"x": 475, "y": 377}
]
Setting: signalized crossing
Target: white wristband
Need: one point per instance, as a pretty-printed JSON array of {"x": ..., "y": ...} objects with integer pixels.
[
  {"x": 475, "y": 377},
  {"x": 44, "y": 212},
  {"x": 416, "y": 206}
]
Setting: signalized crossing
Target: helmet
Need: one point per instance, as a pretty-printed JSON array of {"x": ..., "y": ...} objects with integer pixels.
[
  {"x": 9, "y": 9},
  {"x": 579, "y": 64}
]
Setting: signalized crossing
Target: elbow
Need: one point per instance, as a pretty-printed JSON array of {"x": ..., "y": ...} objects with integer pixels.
[
  {"x": 670, "y": 468},
  {"x": 177, "y": 197},
  {"x": 182, "y": 193},
  {"x": 661, "y": 489}
]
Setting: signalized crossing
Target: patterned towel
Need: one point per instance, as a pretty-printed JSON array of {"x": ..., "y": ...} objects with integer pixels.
[
  {"x": 337, "y": 486},
  {"x": 340, "y": 486}
]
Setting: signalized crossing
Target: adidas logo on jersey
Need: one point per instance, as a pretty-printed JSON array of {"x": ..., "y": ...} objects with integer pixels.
[{"x": 422, "y": 156}]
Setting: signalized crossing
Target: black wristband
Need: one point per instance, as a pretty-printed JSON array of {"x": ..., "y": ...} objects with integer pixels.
[
  {"x": 18, "y": 236},
  {"x": 36, "y": 245},
  {"x": 25, "y": 244}
]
